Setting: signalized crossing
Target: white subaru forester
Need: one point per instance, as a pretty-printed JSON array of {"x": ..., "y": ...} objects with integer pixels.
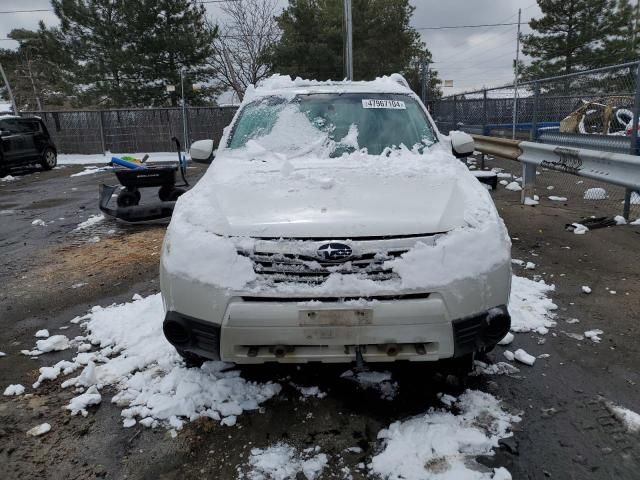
[{"x": 335, "y": 224}]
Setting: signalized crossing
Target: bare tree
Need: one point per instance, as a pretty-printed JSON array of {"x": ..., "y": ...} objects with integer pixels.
[{"x": 240, "y": 48}]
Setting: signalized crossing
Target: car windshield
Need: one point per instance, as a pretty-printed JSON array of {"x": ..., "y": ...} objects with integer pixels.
[{"x": 333, "y": 124}]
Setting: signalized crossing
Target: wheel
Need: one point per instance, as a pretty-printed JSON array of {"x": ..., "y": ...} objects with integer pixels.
[
  {"x": 175, "y": 193},
  {"x": 49, "y": 159},
  {"x": 165, "y": 192},
  {"x": 191, "y": 359},
  {"x": 128, "y": 198}
]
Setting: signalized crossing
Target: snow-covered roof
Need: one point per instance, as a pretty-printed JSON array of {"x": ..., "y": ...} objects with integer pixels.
[{"x": 283, "y": 85}]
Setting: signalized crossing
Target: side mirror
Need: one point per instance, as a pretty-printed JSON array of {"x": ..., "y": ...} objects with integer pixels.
[
  {"x": 462, "y": 144},
  {"x": 202, "y": 151}
]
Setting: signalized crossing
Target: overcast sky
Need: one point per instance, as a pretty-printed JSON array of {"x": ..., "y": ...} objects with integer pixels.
[{"x": 471, "y": 57}]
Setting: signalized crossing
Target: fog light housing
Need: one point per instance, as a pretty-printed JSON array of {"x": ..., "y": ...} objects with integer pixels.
[
  {"x": 192, "y": 335},
  {"x": 481, "y": 332}
]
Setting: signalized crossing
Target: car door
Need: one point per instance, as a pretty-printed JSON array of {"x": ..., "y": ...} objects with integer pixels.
[
  {"x": 13, "y": 144},
  {"x": 33, "y": 138}
]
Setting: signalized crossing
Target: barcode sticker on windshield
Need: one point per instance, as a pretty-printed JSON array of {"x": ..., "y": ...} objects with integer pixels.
[{"x": 375, "y": 103}]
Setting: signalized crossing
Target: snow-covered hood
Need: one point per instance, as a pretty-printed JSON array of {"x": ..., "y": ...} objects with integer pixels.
[
  {"x": 356, "y": 195},
  {"x": 347, "y": 197}
]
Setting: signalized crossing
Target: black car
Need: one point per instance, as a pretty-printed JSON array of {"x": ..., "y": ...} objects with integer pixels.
[{"x": 25, "y": 141}]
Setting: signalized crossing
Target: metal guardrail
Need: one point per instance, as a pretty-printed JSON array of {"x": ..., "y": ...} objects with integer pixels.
[
  {"x": 500, "y": 147},
  {"x": 605, "y": 143},
  {"x": 616, "y": 168}
]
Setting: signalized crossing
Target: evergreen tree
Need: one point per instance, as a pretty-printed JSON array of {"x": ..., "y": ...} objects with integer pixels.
[
  {"x": 126, "y": 52},
  {"x": 311, "y": 44},
  {"x": 622, "y": 44},
  {"x": 37, "y": 69},
  {"x": 570, "y": 36}
]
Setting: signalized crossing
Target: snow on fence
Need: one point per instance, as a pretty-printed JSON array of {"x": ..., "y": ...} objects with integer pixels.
[{"x": 132, "y": 130}]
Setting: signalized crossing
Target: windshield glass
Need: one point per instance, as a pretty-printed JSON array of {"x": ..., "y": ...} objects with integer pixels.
[{"x": 333, "y": 124}]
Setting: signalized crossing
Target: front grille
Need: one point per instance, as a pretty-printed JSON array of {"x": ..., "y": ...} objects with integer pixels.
[{"x": 284, "y": 267}]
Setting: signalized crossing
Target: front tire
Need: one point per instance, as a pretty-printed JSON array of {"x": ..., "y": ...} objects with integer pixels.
[{"x": 49, "y": 159}]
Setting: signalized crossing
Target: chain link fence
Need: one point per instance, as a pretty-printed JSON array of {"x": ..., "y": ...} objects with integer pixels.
[
  {"x": 596, "y": 102},
  {"x": 593, "y": 109},
  {"x": 133, "y": 130}
]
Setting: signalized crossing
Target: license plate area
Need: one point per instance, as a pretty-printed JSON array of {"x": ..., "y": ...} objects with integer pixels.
[{"x": 339, "y": 317}]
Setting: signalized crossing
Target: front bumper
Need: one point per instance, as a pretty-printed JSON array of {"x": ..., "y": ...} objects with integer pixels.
[{"x": 383, "y": 331}]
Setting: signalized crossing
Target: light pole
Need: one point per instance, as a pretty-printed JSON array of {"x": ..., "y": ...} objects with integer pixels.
[
  {"x": 185, "y": 139},
  {"x": 348, "y": 41},
  {"x": 515, "y": 82}
]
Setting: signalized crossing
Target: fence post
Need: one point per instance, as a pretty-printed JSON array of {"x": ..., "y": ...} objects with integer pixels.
[
  {"x": 627, "y": 203},
  {"x": 101, "y": 126},
  {"x": 455, "y": 112},
  {"x": 484, "y": 113},
  {"x": 634, "y": 123},
  {"x": 534, "y": 115},
  {"x": 528, "y": 181}
]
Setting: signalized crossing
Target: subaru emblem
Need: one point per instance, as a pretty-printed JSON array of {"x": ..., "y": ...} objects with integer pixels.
[{"x": 334, "y": 252}]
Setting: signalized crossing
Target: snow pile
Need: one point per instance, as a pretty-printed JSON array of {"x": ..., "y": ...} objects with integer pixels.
[
  {"x": 514, "y": 187},
  {"x": 530, "y": 308},
  {"x": 91, "y": 221},
  {"x": 44, "y": 333},
  {"x": 313, "y": 391},
  {"x": 80, "y": 403},
  {"x": 8, "y": 178},
  {"x": 152, "y": 382},
  {"x": 620, "y": 220},
  {"x": 39, "y": 430},
  {"x": 39, "y": 222},
  {"x": 594, "y": 335},
  {"x": 498, "y": 368},
  {"x": 629, "y": 418},
  {"x": 586, "y": 289},
  {"x": 282, "y": 461},
  {"x": 579, "y": 229},
  {"x": 50, "y": 344},
  {"x": 14, "y": 389},
  {"x": 370, "y": 379},
  {"x": 554, "y": 198},
  {"x": 442, "y": 445},
  {"x": 595, "y": 194},
  {"x": 523, "y": 357}
]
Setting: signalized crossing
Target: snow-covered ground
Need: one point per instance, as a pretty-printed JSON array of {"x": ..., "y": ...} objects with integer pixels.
[
  {"x": 282, "y": 461},
  {"x": 97, "y": 158},
  {"x": 629, "y": 418},
  {"x": 442, "y": 444},
  {"x": 123, "y": 346}
]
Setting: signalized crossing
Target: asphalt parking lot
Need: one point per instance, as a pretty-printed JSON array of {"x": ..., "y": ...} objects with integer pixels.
[{"x": 53, "y": 273}]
